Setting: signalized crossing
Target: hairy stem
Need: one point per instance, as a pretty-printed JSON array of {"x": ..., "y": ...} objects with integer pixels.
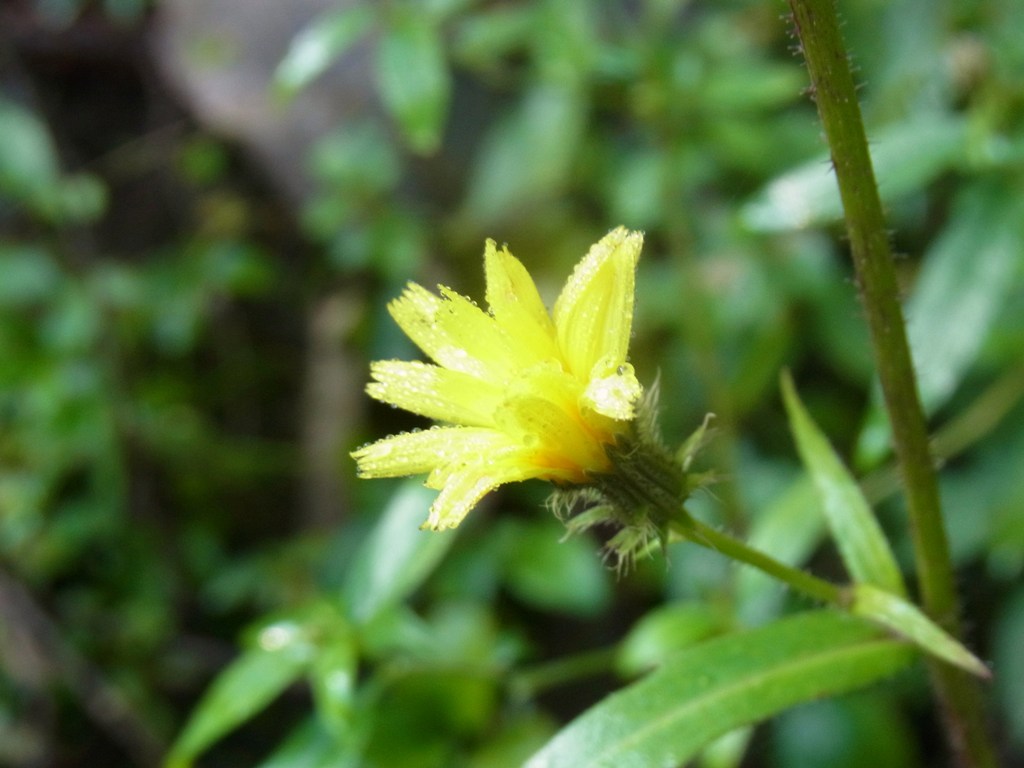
[
  {"x": 705, "y": 535},
  {"x": 832, "y": 84}
]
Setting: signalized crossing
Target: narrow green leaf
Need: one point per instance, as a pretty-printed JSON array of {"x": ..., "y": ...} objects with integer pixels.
[
  {"x": 332, "y": 677},
  {"x": 908, "y": 621},
  {"x": 906, "y": 156},
  {"x": 413, "y": 78},
  {"x": 711, "y": 689},
  {"x": 857, "y": 534},
  {"x": 750, "y": 85},
  {"x": 319, "y": 45},
  {"x": 484, "y": 37},
  {"x": 280, "y": 655},
  {"x": 396, "y": 557}
]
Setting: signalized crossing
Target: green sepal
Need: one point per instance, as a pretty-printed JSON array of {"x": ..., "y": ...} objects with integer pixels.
[{"x": 695, "y": 442}]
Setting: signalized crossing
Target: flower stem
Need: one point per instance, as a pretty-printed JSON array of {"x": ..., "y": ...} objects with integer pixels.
[
  {"x": 694, "y": 530},
  {"x": 834, "y": 91},
  {"x": 531, "y": 682}
]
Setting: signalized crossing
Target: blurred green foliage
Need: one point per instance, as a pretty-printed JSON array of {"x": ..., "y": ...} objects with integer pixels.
[{"x": 150, "y": 426}]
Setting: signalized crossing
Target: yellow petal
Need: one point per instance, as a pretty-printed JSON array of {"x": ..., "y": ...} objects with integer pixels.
[
  {"x": 510, "y": 286},
  {"x": 542, "y": 413},
  {"x": 612, "y": 390},
  {"x": 437, "y": 393},
  {"x": 464, "y": 489},
  {"x": 453, "y": 331},
  {"x": 594, "y": 313},
  {"x": 416, "y": 453},
  {"x": 517, "y": 307}
]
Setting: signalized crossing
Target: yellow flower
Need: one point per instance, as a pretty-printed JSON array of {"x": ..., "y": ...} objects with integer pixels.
[{"x": 523, "y": 394}]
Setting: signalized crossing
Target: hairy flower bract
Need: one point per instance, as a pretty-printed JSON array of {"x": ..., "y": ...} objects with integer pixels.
[{"x": 520, "y": 393}]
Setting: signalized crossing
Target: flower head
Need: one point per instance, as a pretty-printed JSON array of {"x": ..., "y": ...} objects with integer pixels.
[{"x": 520, "y": 393}]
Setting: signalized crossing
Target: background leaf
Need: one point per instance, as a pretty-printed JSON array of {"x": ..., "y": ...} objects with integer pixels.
[
  {"x": 528, "y": 155},
  {"x": 1009, "y": 663},
  {"x": 281, "y": 653},
  {"x": 396, "y": 556},
  {"x": 549, "y": 571},
  {"x": 663, "y": 632},
  {"x": 865, "y": 728},
  {"x": 905, "y": 157},
  {"x": 967, "y": 277},
  {"x": 318, "y": 46},
  {"x": 791, "y": 527},
  {"x": 413, "y": 78}
]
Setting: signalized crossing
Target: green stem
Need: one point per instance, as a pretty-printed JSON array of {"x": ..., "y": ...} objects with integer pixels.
[
  {"x": 981, "y": 416},
  {"x": 836, "y": 96},
  {"x": 529, "y": 683},
  {"x": 694, "y": 530}
]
